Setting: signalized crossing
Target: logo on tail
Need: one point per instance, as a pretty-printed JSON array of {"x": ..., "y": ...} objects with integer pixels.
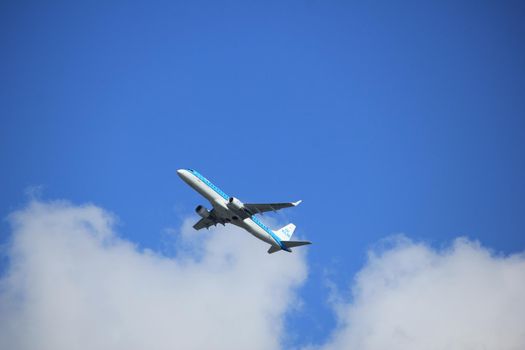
[{"x": 286, "y": 232}]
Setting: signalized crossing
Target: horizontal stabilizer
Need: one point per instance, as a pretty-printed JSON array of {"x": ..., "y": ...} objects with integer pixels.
[
  {"x": 291, "y": 244},
  {"x": 287, "y": 245},
  {"x": 273, "y": 249}
]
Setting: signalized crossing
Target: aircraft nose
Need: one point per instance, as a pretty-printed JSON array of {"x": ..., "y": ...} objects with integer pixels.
[{"x": 181, "y": 172}]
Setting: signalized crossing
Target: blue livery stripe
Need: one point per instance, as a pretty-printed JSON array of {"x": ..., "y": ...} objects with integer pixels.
[
  {"x": 270, "y": 232},
  {"x": 209, "y": 184},
  {"x": 225, "y": 196}
]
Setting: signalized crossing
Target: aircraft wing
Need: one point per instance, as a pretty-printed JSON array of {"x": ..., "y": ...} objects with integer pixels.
[
  {"x": 264, "y": 207},
  {"x": 205, "y": 223}
]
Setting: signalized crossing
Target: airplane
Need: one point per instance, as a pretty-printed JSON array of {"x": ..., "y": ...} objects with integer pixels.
[{"x": 230, "y": 210}]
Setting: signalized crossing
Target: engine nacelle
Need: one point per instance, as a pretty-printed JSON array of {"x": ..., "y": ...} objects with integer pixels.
[
  {"x": 235, "y": 204},
  {"x": 203, "y": 212}
]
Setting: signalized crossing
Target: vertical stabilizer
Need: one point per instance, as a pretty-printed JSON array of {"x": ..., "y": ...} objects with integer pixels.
[{"x": 286, "y": 232}]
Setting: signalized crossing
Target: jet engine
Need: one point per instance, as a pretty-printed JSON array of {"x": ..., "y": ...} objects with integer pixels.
[
  {"x": 235, "y": 204},
  {"x": 203, "y": 212}
]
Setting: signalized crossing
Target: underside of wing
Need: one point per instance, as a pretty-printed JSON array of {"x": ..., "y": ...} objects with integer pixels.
[
  {"x": 205, "y": 223},
  {"x": 256, "y": 208}
]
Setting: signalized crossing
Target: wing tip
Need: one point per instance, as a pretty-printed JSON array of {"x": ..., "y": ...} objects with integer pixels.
[{"x": 297, "y": 203}]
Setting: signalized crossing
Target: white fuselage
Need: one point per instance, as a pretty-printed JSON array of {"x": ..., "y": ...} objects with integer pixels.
[{"x": 219, "y": 201}]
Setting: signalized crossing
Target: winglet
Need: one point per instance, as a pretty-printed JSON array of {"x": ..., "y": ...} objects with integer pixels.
[{"x": 297, "y": 203}]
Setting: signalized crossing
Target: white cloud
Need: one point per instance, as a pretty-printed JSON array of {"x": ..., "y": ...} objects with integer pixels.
[
  {"x": 410, "y": 296},
  {"x": 72, "y": 283}
]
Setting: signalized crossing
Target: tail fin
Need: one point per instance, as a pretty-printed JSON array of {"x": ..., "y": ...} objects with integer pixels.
[{"x": 286, "y": 232}]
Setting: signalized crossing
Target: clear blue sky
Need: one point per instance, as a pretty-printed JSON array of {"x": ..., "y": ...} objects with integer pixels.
[{"x": 384, "y": 117}]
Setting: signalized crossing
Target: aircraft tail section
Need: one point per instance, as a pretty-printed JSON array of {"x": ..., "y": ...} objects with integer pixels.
[
  {"x": 286, "y": 232},
  {"x": 284, "y": 235},
  {"x": 287, "y": 246},
  {"x": 273, "y": 249},
  {"x": 291, "y": 244}
]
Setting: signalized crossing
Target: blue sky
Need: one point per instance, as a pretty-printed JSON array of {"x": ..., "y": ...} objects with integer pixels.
[{"x": 384, "y": 117}]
